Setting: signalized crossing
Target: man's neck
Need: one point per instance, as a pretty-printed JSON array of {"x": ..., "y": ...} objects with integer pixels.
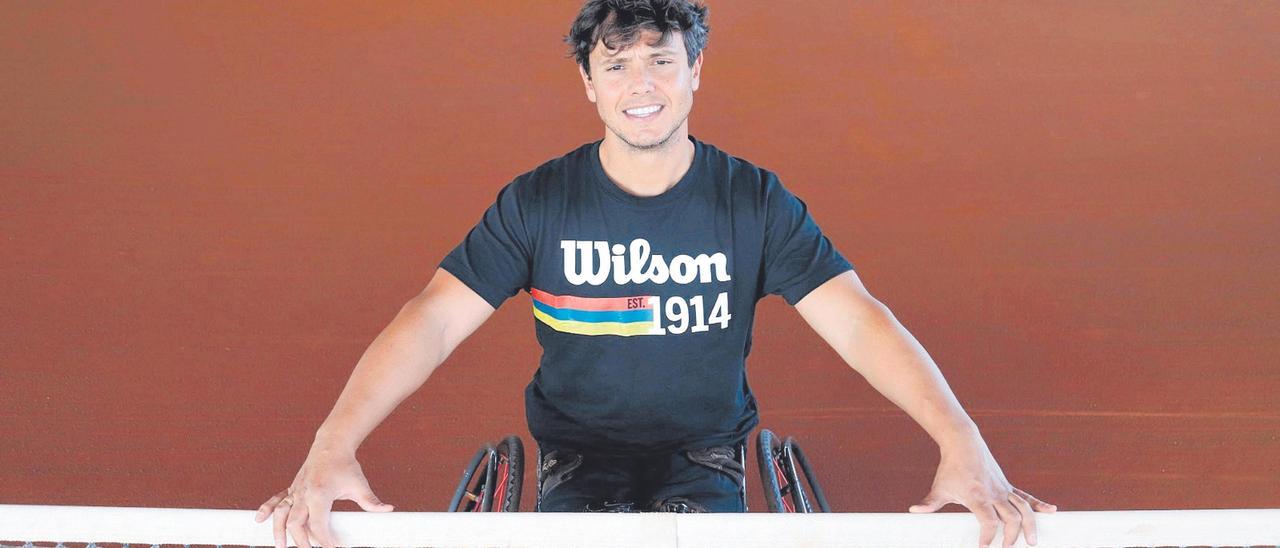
[{"x": 646, "y": 173}]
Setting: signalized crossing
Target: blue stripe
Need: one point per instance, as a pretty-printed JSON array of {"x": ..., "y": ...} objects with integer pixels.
[{"x": 573, "y": 314}]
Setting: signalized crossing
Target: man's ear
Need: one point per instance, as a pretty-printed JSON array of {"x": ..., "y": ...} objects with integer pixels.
[
  {"x": 588, "y": 84},
  {"x": 697, "y": 71}
]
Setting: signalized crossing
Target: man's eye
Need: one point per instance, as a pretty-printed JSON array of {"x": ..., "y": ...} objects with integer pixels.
[
  {"x": 663, "y": 62},
  {"x": 611, "y": 67}
]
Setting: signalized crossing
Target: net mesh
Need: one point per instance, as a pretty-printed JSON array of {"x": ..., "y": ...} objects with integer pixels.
[{"x": 107, "y": 527}]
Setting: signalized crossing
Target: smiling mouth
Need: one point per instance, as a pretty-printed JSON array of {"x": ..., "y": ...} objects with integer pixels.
[{"x": 643, "y": 113}]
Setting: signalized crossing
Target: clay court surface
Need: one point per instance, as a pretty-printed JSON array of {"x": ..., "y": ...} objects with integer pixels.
[{"x": 209, "y": 210}]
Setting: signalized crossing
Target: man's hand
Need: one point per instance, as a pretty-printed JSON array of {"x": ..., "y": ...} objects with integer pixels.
[
  {"x": 421, "y": 336},
  {"x": 969, "y": 476},
  {"x": 303, "y": 508}
]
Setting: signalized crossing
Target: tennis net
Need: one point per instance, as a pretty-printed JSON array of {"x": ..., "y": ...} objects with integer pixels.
[{"x": 50, "y": 525}]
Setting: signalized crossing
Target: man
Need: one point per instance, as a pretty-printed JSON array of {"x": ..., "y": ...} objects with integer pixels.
[{"x": 645, "y": 254}]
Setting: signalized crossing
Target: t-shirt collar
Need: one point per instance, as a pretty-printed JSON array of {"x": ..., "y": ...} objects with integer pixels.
[{"x": 690, "y": 179}]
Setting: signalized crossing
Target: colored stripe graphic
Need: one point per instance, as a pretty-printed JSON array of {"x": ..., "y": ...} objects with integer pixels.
[
  {"x": 622, "y": 316},
  {"x": 586, "y": 303}
]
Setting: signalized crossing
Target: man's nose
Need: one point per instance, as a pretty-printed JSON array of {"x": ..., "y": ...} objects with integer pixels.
[{"x": 641, "y": 80}]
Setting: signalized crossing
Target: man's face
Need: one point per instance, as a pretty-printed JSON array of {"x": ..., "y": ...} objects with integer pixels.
[{"x": 627, "y": 85}]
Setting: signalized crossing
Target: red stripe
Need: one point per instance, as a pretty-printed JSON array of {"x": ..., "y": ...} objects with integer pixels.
[
  {"x": 591, "y": 303},
  {"x": 783, "y": 483}
]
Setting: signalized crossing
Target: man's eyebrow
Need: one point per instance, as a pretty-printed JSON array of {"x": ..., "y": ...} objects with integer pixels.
[{"x": 659, "y": 53}]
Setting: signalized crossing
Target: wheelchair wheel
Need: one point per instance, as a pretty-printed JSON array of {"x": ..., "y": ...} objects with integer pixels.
[
  {"x": 782, "y": 463},
  {"x": 500, "y": 481},
  {"x": 510, "y": 474}
]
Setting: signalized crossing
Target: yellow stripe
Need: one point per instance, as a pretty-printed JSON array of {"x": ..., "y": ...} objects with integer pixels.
[{"x": 595, "y": 328}]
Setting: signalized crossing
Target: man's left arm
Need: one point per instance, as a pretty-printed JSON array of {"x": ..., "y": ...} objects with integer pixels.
[{"x": 870, "y": 339}]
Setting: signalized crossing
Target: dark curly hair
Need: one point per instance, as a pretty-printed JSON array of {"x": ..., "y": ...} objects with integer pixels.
[{"x": 619, "y": 22}]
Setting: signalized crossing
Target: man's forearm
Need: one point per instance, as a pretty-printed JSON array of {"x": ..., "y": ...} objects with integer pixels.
[
  {"x": 394, "y": 366},
  {"x": 896, "y": 365},
  {"x": 876, "y": 345}
]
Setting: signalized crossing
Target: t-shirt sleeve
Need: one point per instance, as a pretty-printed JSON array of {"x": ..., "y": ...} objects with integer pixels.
[
  {"x": 797, "y": 256},
  {"x": 495, "y": 258}
]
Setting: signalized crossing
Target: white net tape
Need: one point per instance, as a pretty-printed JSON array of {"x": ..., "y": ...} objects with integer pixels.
[{"x": 151, "y": 526}]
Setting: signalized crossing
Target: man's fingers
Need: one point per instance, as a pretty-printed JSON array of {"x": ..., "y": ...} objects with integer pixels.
[
  {"x": 1028, "y": 518},
  {"x": 319, "y": 526},
  {"x": 297, "y": 526},
  {"x": 1012, "y": 522},
  {"x": 370, "y": 502},
  {"x": 278, "y": 518},
  {"x": 931, "y": 503},
  {"x": 1037, "y": 504},
  {"x": 269, "y": 506},
  {"x": 987, "y": 520}
]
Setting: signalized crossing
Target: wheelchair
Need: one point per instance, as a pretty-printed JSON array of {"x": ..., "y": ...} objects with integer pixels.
[
  {"x": 497, "y": 487},
  {"x": 491, "y": 481}
]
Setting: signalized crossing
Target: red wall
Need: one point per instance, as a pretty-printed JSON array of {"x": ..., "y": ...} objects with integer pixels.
[{"x": 210, "y": 209}]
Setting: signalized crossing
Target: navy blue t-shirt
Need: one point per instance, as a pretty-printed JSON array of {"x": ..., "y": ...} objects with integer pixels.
[{"x": 644, "y": 306}]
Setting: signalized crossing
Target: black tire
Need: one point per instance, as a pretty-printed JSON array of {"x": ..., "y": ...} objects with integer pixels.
[
  {"x": 511, "y": 449},
  {"x": 468, "y": 473},
  {"x": 767, "y": 448},
  {"x": 490, "y": 475},
  {"x": 799, "y": 499},
  {"x": 810, "y": 478}
]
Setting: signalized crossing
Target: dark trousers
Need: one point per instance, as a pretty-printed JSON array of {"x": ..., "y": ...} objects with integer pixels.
[{"x": 700, "y": 480}]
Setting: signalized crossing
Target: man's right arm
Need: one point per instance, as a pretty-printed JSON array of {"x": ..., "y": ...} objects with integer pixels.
[
  {"x": 395, "y": 365},
  {"x": 427, "y": 329}
]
